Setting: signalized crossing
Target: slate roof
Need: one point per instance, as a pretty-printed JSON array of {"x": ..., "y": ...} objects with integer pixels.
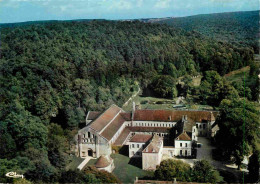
[
  {"x": 99, "y": 123},
  {"x": 188, "y": 125},
  {"x": 103, "y": 161},
  {"x": 154, "y": 146},
  {"x": 141, "y": 138},
  {"x": 169, "y": 115}
]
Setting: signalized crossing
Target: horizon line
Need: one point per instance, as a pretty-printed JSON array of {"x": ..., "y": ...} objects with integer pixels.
[{"x": 46, "y": 20}]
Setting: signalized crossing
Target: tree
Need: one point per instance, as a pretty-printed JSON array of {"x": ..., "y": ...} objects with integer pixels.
[
  {"x": 214, "y": 88},
  {"x": 7, "y": 143},
  {"x": 57, "y": 145},
  {"x": 254, "y": 167},
  {"x": 103, "y": 176},
  {"x": 76, "y": 176},
  {"x": 203, "y": 172},
  {"x": 239, "y": 122},
  {"x": 164, "y": 86},
  {"x": 170, "y": 169}
]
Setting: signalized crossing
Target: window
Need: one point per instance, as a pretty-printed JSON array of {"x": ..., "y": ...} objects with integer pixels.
[
  {"x": 194, "y": 130},
  {"x": 186, "y": 145},
  {"x": 133, "y": 146},
  {"x": 186, "y": 153},
  {"x": 204, "y": 126},
  {"x": 137, "y": 145},
  {"x": 88, "y": 134},
  {"x": 180, "y": 152},
  {"x": 197, "y": 126},
  {"x": 180, "y": 144},
  {"x": 200, "y": 126}
]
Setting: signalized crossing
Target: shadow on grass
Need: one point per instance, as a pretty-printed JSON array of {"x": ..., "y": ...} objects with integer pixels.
[{"x": 137, "y": 162}]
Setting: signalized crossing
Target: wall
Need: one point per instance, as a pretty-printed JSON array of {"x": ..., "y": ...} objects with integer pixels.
[
  {"x": 90, "y": 140},
  {"x": 202, "y": 129},
  {"x": 153, "y": 124},
  {"x": 169, "y": 150},
  {"x": 178, "y": 148},
  {"x": 134, "y": 150}
]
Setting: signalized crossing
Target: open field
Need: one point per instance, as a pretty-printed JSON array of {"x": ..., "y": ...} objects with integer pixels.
[
  {"x": 126, "y": 172},
  {"x": 161, "y": 103},
  {"x": 238, "y": 75}
]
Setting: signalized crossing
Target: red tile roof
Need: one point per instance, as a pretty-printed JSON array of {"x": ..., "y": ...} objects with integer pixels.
[
  {"x": 171, "y": 115},
  {"x": 93, "y": 115},
  {"x": 103, "y": 161},
  {"x": 99, "y": 123},
  {"x": 154, "y": 146},
  {"x": 122, "y": 137},
  {"x": 141, "y": 138},
  {"x": 183, "y": 137},
  {"x": 113, "y": 127}
]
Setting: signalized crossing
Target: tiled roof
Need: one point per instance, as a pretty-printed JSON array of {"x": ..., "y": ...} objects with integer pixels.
[
  {"x": 141, "y": 138},
  {"x": 99, "y": 123},
  {"x": 154, "y": 146},
  {"x": 126, "y": 116},
  {"x": 93, "y": 115},
  {"x": 183, "y": 137},
  {"x": 189, "y": 124},
  {"x": 113, "y": 127},
  {"x": 103, "y": 161},
  {"x": 169, "y": 115},
  {"x": 122, "y": 137},
  {"x": 150, "y": 129}
]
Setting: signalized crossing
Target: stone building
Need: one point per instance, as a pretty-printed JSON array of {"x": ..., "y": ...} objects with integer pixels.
[
  {"x": 106, "y": 163},
  {"x": 140, "y": 128}
]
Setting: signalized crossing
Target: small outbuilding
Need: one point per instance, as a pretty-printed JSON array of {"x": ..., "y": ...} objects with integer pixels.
[{"x": 105, "y": 162}]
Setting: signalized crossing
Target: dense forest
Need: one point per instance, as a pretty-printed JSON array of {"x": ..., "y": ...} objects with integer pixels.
[
  {"x": 239, "y": 28},
  {"x": 53, "y": 73}
]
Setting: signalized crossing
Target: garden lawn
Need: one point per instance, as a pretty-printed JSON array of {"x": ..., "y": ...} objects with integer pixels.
[
  {"x": 125, "y": 172},
  {"x": 74, "y": 162}
]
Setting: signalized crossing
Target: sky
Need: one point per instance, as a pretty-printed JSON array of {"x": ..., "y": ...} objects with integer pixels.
[{"x": 32, "y": 10}]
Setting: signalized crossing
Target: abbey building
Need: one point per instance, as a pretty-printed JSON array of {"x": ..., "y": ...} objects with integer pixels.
[{"x": 148, "y": 134}]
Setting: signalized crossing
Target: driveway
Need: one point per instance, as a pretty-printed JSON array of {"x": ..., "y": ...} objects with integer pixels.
[{"x": 205, "y": 151}]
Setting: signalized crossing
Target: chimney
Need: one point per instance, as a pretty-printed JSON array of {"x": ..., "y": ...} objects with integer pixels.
[{"x": 133, "y": 113}]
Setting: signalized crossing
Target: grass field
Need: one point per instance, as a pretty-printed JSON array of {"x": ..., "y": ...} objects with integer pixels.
[
  {"x": 91, "y": 162},
  {"x": 126, "y": 172},
  {"x": 160, "y": 103},
  {"x": 237, "y": 75},
  {"x": 74, "y": 162}
]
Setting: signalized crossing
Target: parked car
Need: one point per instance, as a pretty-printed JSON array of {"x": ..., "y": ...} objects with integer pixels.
[{"x": 199, "y": 145}]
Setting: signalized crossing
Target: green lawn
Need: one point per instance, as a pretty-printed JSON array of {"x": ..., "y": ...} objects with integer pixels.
[
  {"x": 126, "y": 172},
  {"x": 91, "y": 162},
  {"x": 74, "y": 162}
]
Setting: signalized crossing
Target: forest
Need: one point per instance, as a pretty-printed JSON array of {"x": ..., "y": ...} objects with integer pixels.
[
  {"x": 239, "y": 28},
  {"x": 53, "y": 73}
]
